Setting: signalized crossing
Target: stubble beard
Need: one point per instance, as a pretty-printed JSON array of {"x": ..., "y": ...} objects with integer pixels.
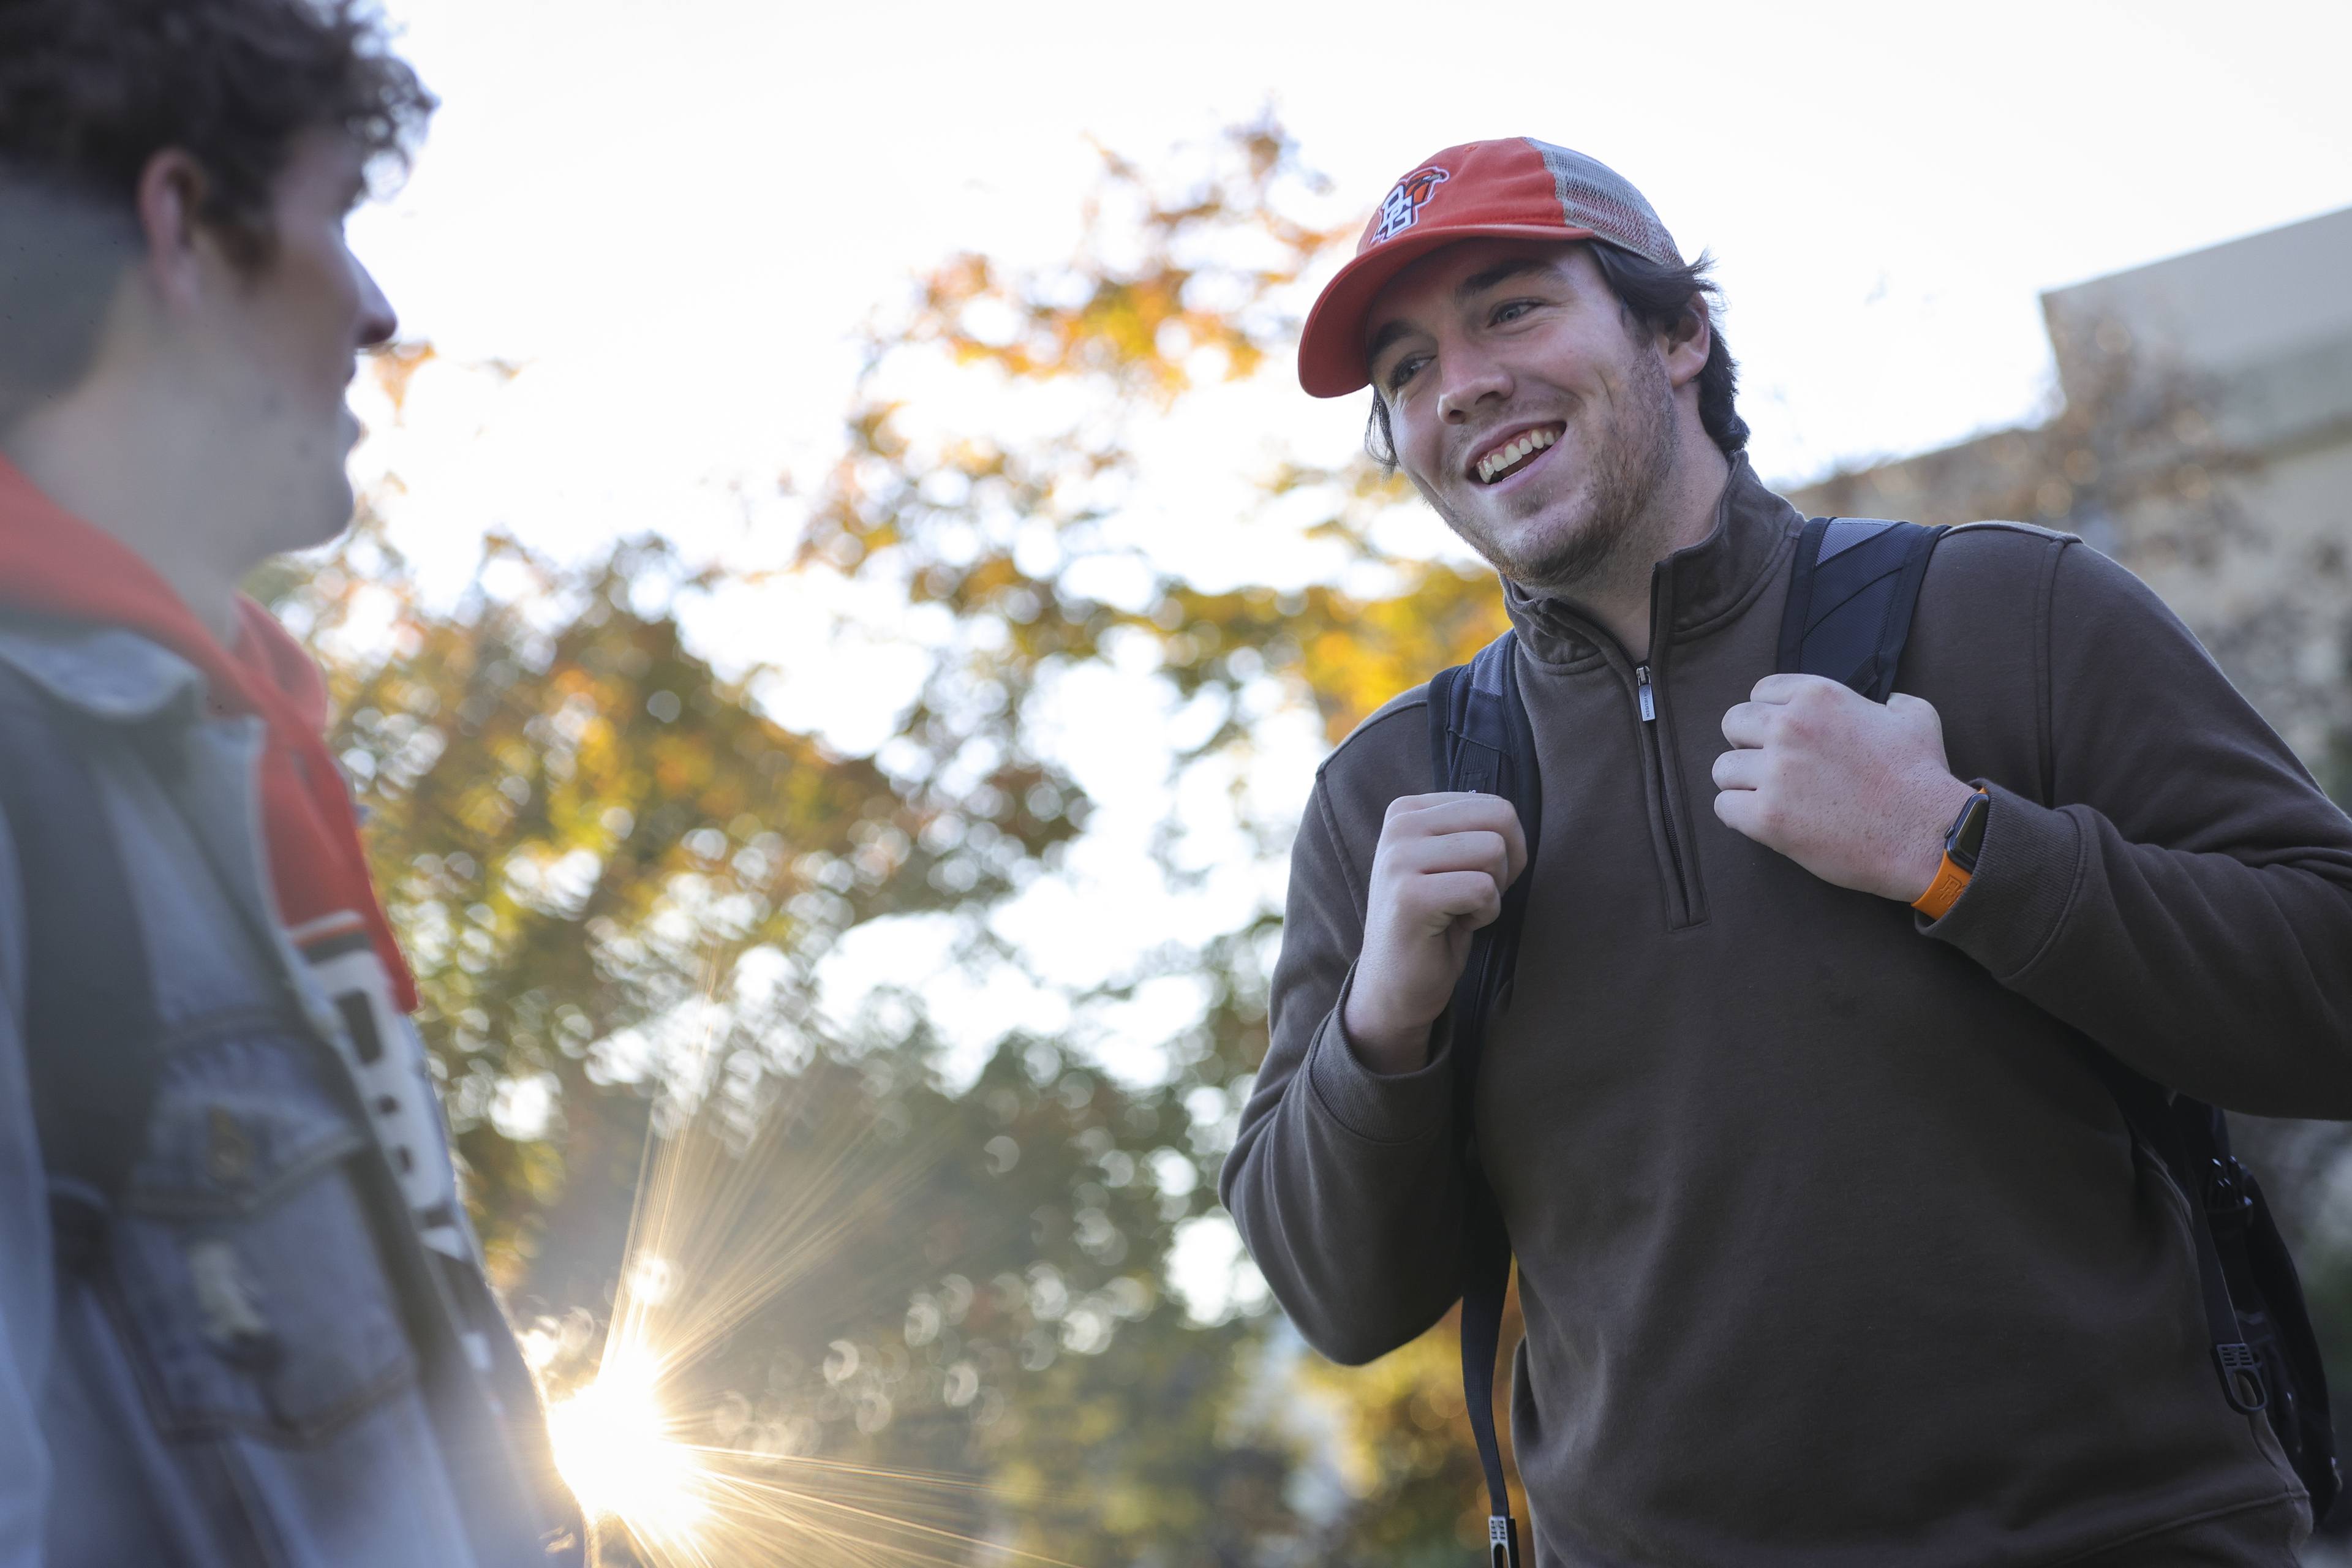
[{"x": 1608, "y": 530}]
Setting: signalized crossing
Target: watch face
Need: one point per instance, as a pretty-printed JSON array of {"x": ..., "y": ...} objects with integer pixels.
[{"x": 1965, "y": 840}]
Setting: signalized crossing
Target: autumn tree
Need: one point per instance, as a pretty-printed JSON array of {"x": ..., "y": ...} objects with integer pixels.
[{"x": 616, "y": 876}]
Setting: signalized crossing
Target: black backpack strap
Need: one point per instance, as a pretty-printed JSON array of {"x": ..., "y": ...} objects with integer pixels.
[
  {"x": 2262, "y": 1345},
  {"x": 2300, "y": 1410},
  {"x": 1851, "y": 595},
  {"x": 2168, "y": 1128},
  {"x": 91, "y": 1031},
  {"x": 1479, "y": 740}
]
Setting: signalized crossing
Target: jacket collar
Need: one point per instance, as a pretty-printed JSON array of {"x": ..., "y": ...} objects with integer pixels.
[
  {"x": 110, "y": 674},
  {"x": 1692, "y": 591}
]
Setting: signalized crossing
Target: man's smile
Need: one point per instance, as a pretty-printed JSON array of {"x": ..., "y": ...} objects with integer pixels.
[{"x": 1512, "y": 452}]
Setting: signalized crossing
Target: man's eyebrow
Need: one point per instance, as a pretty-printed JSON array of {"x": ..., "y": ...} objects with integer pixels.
[
  {"x": 1469, "y": 288},
  {"x": 1477, "y": 283},
  {"x": 1389, "y": 333}
]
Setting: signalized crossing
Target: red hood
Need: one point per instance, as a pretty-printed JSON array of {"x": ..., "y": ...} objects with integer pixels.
[{"x": 54, "y": 564}]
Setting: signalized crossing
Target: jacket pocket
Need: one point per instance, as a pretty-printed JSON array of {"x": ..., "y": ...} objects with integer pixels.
[{"x": 244, "y": 1267}]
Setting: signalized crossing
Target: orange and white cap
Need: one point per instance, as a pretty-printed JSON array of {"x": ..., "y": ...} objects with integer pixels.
[{"x": 1516, "y": 189}]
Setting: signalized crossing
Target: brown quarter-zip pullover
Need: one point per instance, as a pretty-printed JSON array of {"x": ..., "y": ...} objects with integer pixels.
[{"x": 1833, "y": 1251}]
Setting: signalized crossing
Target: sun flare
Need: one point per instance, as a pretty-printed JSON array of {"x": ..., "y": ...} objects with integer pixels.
[
  {"x": 673, "y": 1466},
  {"x": 618, "y": 1450}
]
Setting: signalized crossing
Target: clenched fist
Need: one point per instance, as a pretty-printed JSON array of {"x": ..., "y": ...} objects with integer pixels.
[
  {"x": 1437, "y": 876},
  {"x": 1857, "y": 793}
]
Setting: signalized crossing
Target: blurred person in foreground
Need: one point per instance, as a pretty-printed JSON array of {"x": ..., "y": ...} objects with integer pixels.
[
  {"x": 1834, "y": 1250},
  {"x": 242, "y": 1317}
]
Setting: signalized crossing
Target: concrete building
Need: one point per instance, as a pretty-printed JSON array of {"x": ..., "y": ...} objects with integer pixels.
[{"x": 2205, "y": 441}]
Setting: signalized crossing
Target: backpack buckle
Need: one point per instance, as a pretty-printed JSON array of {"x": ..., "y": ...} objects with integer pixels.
[
  {"x": 2241, "y": 1377},
  {"x": 2228, "y": 1200},
  {"x": 1502, "y": 1542}
]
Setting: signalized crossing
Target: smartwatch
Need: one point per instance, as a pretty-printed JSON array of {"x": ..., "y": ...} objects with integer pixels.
[{"x": 1963, "y": 842}]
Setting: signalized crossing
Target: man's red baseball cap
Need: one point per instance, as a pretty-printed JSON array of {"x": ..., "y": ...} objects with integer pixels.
[{"x": 1516, "y": 189}]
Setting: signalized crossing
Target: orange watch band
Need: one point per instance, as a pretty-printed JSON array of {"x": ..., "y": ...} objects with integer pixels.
[
  {"x": 1963, "y": 842},
  {"x": 1951, "y": 881}
]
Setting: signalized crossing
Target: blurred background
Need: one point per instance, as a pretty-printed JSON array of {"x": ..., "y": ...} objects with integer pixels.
[{"x": 849, "y": 599}]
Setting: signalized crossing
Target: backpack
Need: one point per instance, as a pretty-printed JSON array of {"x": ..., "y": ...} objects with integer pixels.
[{"x": 1855, "y": 584}]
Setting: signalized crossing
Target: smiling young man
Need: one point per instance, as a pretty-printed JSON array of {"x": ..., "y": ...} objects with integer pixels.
[
  {"x": 1833, "y": 1248},
  {"x": 242, "y": 1318}
]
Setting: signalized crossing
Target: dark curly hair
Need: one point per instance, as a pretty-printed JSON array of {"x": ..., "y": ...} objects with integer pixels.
[
  {"x": 91, "y": 90},
  {"x": 1655, "y": 297}
]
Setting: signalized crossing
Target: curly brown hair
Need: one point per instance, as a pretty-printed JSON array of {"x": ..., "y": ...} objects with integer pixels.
[{"x": 91, "y": 90}]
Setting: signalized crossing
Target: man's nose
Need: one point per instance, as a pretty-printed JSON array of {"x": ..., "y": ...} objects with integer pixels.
[
  {"x": 1470, "y": 378},
  {"x": 379, "y": 322}
]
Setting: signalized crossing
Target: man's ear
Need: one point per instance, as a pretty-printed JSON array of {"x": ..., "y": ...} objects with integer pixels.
[
  {"x": 1687, "y": 342},
  {"x": 170, "y": 195}
]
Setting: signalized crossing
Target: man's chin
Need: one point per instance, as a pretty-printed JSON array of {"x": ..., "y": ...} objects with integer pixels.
[
  {"x": 320, "y": 525},
  {"x": 1560, "y": 543}
]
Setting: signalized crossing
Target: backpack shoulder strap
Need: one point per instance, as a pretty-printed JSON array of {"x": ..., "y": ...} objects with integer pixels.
[
  {"x": 91, "y": 1031},
  {"x": 1479, "y": 737},
  {"x": 2259, "y": 1327},
  {"x": 2180, "y": 1132},
  {"x": 1479, "y": 740},
  {"x": 1851, "y": 595}
]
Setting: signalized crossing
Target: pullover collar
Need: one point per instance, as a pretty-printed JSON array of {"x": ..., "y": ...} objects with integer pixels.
[{"x": 1692, "y": 591}]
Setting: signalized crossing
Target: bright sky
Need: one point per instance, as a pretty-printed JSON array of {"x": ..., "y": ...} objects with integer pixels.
[
  {"x": 678, "y": 209},
  {"x": 672, "y": 217}
]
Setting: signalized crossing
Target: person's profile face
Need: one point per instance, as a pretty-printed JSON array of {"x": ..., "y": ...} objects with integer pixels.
[
  {"x": 1514, "y": 386},
  {"x": 285, "y": 342}
]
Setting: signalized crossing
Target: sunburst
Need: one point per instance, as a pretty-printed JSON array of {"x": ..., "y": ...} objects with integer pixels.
[{"x": 673, "y": 1472}]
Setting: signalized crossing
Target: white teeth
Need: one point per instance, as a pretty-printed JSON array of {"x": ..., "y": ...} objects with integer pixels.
[{"x": 1496, "y": 462}]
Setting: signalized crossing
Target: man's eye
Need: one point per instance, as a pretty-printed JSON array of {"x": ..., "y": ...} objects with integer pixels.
[
  {"x": 1513, "y": 310},
  {"x": 1402, "y": 371}
]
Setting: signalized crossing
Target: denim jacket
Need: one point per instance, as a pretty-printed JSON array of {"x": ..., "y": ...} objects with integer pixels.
[{"x": 393, "y": 1424}]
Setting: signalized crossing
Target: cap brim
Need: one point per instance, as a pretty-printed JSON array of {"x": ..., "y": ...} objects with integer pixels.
[{"x": 1331, "y": 349}]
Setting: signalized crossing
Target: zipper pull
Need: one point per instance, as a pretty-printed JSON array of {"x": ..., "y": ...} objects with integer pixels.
[{"x": 1642, "y": 689}]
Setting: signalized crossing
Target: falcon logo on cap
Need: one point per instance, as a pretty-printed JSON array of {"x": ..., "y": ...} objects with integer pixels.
[{"x": 1404, "y": 202}]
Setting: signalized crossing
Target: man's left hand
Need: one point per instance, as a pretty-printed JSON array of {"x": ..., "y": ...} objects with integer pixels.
[{"x": 1857, "y": 793}]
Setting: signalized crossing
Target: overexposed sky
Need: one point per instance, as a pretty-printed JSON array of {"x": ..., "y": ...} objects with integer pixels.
[
  {"x": 671, "y": 214},
  {"x": 676, "y": 209}
]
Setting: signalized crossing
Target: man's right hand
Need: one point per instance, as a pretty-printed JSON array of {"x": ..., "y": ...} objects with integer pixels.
[{"x": 1438, "y": 875}]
